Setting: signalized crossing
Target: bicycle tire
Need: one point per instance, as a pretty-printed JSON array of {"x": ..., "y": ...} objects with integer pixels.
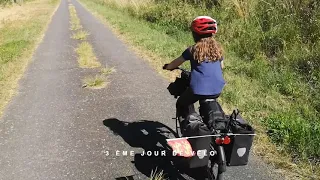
[
  {"x": 213, "y": 172},
  {"x": 210, "y": 172},
  {"x": 220, "y": 176}
]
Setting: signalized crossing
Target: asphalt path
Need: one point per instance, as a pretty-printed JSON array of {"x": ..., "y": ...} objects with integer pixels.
[{"x": 56, "y": 129}]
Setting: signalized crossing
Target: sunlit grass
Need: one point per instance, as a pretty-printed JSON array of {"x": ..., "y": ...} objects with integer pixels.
[
  {"x": 94, "y": 82},
  {"x": 107, "y": 71},
  {"x": 75, "y": 21},
  {"x": 100, "y": 80},
  {"x": 86, "y": 56},
  {"x": 21, "y": 29},
  {"x": 157, "y": 175},
  {"x": 80, "y": 35}
]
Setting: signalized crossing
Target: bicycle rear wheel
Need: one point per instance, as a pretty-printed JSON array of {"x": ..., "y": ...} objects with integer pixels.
[
  {"x": 220, "y": 176},
  {"x": 213, "y": 171}
]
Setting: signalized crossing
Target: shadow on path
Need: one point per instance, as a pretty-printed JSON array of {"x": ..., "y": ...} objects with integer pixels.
[{"x": 151, "y": 137}]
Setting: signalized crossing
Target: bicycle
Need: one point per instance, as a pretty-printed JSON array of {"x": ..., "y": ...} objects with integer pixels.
[{"x": 219, "y": 139}]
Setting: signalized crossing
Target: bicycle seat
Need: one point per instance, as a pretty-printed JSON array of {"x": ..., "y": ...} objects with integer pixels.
[{"x": 208, "y": 100}]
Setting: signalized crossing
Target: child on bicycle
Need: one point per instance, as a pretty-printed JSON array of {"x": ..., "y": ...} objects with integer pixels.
[{"x": 206, "y": 62}]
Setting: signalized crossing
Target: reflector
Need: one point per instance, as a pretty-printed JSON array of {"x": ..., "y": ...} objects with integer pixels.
[
  {"x": 219, "y": 141},
  {"x": 226, "y": 140}
]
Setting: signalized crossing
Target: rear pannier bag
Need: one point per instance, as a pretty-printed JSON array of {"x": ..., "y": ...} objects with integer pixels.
[
  {"x": 238, "y": 151},
  {"x": 200, "y": 146}
]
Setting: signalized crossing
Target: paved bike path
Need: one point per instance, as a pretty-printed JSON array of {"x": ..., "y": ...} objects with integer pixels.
[{"x": 55, "y": 129}]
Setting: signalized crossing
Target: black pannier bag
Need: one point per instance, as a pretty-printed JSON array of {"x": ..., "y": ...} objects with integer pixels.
[
  {"x": 213, "y": 115},
  {"x": 238, "y": 151},
  {"x": 200, "y": 146}
]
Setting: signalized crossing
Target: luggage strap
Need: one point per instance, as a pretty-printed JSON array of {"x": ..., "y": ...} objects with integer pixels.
[{"x": 216, "y": 135}]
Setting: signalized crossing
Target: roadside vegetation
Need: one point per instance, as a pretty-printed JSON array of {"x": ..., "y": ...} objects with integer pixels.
[
  {"x": 21, "y": 29},
  {"x": 4, "y": 3},
  {"x": 272, "y": 63}
]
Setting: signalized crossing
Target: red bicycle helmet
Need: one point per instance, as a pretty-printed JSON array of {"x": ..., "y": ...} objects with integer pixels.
[{"x": 204, "y": 25}]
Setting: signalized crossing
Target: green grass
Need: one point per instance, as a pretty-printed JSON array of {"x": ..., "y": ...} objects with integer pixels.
[
  {"x": 100, "y": 80},
  {"x": 86, "y": 56},
  {"x": 5, "y": 2},
  {"x": 272, "y": 96},
  {"x": 155, "y": 175},
  {"x": 75, "y": 21},
  {"x": 106, "y": 71},
  {"x": 19, "y": 36},
  {"x": 80, "y": 35},
  {"x": 11, "y": 49},
  {"x": 94, "y": 82}
]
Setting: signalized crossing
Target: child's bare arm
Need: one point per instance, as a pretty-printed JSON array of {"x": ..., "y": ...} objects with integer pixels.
[{"x": 175, "y": 63}]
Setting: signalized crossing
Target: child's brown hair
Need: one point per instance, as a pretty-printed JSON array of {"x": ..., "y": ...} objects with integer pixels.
[{"x": 206, "y": 48}]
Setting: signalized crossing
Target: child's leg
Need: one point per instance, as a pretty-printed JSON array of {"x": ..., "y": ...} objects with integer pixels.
[
  {"x": 185, "y": 103},
  {"x": 213, "y": 115}
]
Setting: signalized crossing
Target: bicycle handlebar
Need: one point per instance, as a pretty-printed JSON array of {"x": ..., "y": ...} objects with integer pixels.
[{"x": 178, "y": 68}]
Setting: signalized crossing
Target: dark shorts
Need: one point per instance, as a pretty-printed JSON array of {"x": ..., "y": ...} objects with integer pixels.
[{"x": 187, "y": 99}]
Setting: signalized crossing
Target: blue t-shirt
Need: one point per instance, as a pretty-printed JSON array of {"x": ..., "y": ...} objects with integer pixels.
[{"x": 206, "y": 77}]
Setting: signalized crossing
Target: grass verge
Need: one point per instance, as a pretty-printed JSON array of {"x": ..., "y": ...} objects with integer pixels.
[
  {"x": 257, "y": 101},
  {"x": 21, "y": 29},
  {"x": 86, "y": 56}
]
